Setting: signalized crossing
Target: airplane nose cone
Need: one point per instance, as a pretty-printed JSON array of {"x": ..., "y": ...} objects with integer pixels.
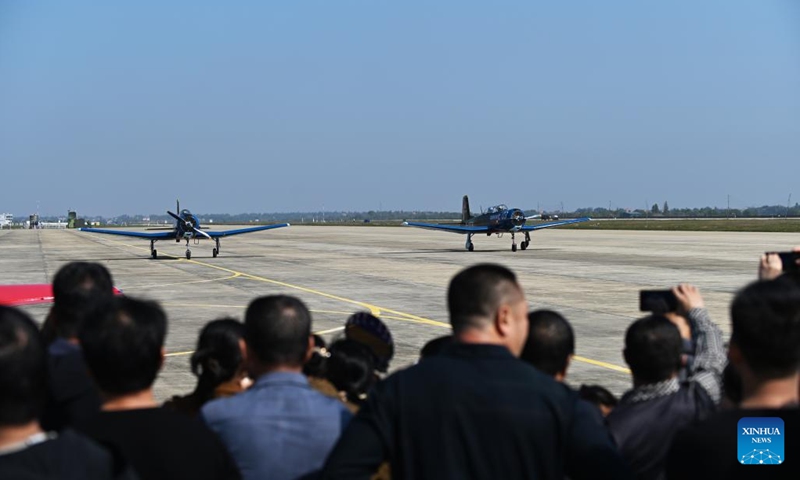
[{"x": 518, "y": 218}]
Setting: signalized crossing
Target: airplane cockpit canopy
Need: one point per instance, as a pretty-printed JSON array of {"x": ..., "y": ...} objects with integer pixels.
[
  {"x": 497, "y": 208},
  {"x": 185, "y": 212}
]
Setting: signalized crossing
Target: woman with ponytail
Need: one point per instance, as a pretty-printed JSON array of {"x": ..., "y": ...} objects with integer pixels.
[{"x": 218, "y": 365}]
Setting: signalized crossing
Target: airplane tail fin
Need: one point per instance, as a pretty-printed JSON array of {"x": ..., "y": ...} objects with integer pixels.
[{"x": 465, "y": 214}]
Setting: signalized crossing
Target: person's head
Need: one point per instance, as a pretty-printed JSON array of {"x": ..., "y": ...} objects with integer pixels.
[
  {"x": 78, "y": 288},
  {"x": 351, "y": 369},
  {"x": 653, "y": 349},
  {"x": 219, "y": 356},
  {"x": 550, "y": 344},
  {"x": 765, "y": 337},
  {"x": 486, "y": 302},
  {"x": 23, "y": 384},
  {"x": 370, "y": 331},
  {"x": 277, "y": 331},
  {"x": 123, "y": 345},
  {"x": 435, "y": 346},
  {"x": 315, "y": 365},
  {"x": 598, "y": 396}
]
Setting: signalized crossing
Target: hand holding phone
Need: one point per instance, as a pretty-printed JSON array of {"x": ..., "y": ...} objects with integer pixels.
[
  {"x": 789, "y": 261},
  {"x": 658, "y": 301}
]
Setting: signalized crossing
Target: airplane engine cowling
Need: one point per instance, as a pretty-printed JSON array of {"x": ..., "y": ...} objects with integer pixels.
[{"x": 518, "y": 218}]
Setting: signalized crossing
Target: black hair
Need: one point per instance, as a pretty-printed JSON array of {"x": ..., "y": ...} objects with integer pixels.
[
  {"x": 218, "y": 356},
  {"x": 653, "y": 349},
  {"x": 550, "y": 342},
  {"x": 23, "y": 370},
  {"x": 315, "y": 366},
  {"x": 477, "y": 292},
  {"x": 78, "y": 289},
  {"x": 276, "y": 330},
  {"x": 765, "y": 317},
  {"x": 122, "y": 344},
  {"x": 351, "y": 369},
  {"x": 434, "y": 347},
  {"x": 597, "y": 395}
]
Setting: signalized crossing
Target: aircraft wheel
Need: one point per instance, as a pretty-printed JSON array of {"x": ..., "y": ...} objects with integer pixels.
[
  {"x": 523, "y": 245},
  {"x": 154, "y": 253},
  {"x": 514, "y": 247},
  {"x": 188, "y": 255},
  {"x": 471, "y": 247},
  {"x": 214, "y": 252}
]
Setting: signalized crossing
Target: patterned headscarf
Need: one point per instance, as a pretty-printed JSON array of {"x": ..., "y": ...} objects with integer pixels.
[{"x": 371, "y": 332}]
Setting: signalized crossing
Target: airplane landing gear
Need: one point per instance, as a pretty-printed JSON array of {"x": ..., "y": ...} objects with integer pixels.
[
  {"x": 153, "y": 252},
  {"x": 188, "y": 252},
  {"x": 469, "y": 246},
  {"x": 215, "y": 251},
  {"x": 524, "y": 245},
  {"x": 513, "y": 243}
]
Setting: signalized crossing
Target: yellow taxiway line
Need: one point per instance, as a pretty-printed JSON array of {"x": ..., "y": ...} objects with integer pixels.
[{"x": 374, "y": 309}]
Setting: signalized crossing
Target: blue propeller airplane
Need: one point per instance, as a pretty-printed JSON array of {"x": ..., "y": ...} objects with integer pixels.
[
  {"x": 187, "y": 227},
  {"x": 498, "y": 220}
]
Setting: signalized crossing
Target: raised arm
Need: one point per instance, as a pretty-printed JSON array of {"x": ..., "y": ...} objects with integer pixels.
[{"x": 709, "y": 350}]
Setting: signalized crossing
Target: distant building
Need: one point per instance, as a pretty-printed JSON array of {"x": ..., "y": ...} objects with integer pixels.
[{"x": 6, "y": 219}]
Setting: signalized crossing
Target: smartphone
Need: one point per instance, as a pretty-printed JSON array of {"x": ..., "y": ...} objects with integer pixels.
[
  {"x": 789, "y": 261},
  {"x": 657, "y": 301}
]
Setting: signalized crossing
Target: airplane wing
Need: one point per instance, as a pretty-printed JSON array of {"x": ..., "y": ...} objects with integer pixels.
[
  {"x": 125, "y": 233},
  {"x": 33, "y": 294},
  {"x": 228, "y": 233},
  {"x": 448, "y": 228},
  {"x": 539, "y": 226}
]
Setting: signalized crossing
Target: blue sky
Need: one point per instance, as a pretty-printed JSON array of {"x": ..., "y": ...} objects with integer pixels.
[{"x": 121, "y": 107}]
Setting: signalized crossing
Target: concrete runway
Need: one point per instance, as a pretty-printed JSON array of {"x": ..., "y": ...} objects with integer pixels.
[{"x": 592, "y": 277}]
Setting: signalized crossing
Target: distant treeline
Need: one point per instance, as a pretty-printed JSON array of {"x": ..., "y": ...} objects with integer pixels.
[
  {"x": 766, "y": 211},
  {"x": 658, "y": 211}
]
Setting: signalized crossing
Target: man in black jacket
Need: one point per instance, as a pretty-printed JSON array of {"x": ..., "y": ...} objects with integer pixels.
[
  {"x": 123, "y": 345},
  {"x": 72, "y": 398},
  {"x": 475, "y": 410},
  {"x": 765, "y": 351}
]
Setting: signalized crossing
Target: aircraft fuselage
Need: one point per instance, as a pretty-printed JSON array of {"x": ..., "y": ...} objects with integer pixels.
[{"x": 500, "y": 221}]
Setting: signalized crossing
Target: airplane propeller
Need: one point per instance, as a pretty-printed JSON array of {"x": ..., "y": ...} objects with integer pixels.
[{"x": 189, "y": 224}]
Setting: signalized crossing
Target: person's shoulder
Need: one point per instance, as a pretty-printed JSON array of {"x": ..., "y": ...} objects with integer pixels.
[
  {"x": 726, "y": 418},
  {"x": 186, "y": 404},
  {"x": 70, "y": 438},
  {"x": 327, "y": 402},
  {"x": 718, "y": 426},
  {"x": 225, "y": 407},
  {"x": 178, "y": 426},
  {"x": 70, "y": 453}
]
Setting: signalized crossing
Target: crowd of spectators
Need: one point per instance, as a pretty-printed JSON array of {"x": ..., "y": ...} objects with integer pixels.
[{"x": 490, "y": 401}]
